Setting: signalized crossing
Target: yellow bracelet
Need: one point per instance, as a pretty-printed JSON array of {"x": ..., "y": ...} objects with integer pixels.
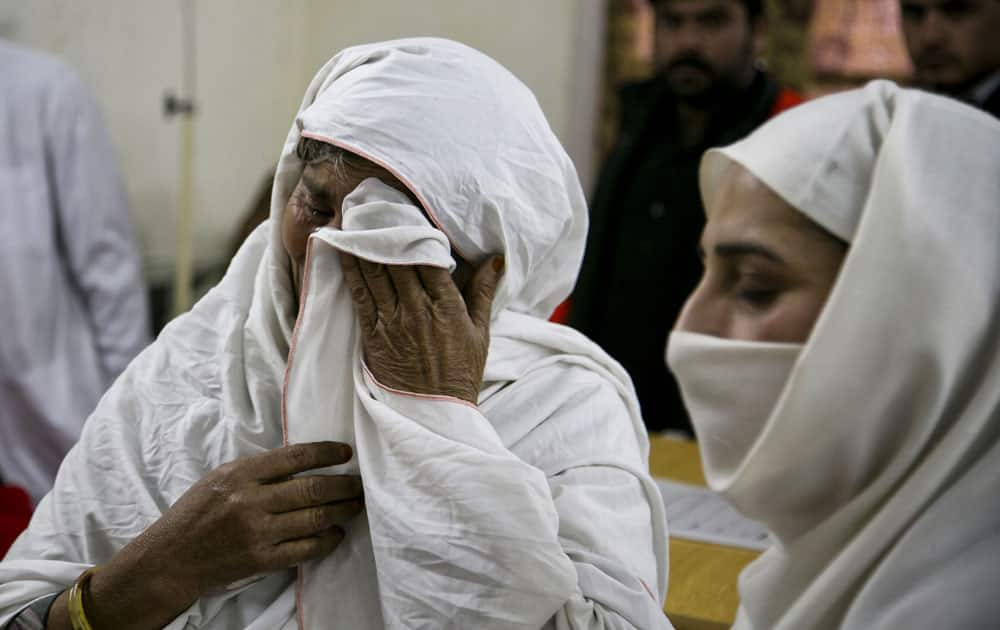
[{"x": 77, "y": 617}]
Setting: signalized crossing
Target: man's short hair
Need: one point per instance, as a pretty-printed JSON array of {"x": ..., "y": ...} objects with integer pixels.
[{"x": 755, "y": 8}]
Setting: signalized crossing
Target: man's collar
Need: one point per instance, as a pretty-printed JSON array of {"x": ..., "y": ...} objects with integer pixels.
[{"x": 981, "y": 92}]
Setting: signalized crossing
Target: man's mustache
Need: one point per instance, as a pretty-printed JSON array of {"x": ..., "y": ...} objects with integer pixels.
[
  {"x": 934, "y": 57},
  {"x": 690, "y": 61}
]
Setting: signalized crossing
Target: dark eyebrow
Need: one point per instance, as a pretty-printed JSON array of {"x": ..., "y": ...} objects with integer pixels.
[
  {"x": 732, "y": 249},
  {"x": 315, "y": 188}
]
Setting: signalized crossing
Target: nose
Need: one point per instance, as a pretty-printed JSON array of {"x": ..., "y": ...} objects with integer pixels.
[
  {"x": 701, "y": 313},
  {"x": 688, "y": 37},
  {"x": 933, "y": 29}
]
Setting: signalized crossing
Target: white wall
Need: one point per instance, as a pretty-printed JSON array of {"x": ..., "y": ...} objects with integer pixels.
[
  {"x": 249, "y": 82},
  {"x": 254, "y": 60}
]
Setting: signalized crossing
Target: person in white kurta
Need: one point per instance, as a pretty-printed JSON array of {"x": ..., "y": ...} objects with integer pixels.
[
  {"x": 74, "y": 307},
  {"x": 528, "y": 506},
  {"x": 871, "y": 450}
]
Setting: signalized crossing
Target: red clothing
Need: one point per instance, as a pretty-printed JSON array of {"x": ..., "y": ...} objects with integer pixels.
[
  {"x": 787, "y": 99},
  {"x": 15, "y": 512}
]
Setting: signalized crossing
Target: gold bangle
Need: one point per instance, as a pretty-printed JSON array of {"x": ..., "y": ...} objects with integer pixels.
[{"x": 78, "y": 618}]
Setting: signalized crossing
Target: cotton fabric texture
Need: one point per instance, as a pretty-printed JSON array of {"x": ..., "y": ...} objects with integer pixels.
[
  {"x": 73, "y": 309},
  {"x": 532, "y": 509},
  {"x": 878, "y": 469},
  {"x": 730, "y": 387}
]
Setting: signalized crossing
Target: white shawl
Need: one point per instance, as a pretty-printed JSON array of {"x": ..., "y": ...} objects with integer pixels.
[
  {"x": 878, "y": 470},
  {"x": 534, "y": 509}
]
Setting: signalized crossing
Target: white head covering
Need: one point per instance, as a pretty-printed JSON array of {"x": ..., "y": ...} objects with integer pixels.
[
  {"x": 469, "y": 149},
  {"x": 878, "y": 470},
  {"x": 492, "y": 176}
]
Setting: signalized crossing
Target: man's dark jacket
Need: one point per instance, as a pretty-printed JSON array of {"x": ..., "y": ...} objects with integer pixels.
[
  {"x": 992, "y": 103},
  {"x": 645, "y": 222}
]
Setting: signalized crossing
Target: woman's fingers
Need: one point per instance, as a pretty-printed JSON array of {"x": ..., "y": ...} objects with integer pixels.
[
  {"x": 308, "y": 491},
  {"x": 409, "y": 289},
  {"x": 296, "y": 458},
  {"x": 364, "y": 302},
  {"x": 380, "y": 285},
  {"x": 480, "y": 290},
  {"x": 437, "y": 283},
  {"x": 292, "y": 552},
  {"x": 313, "y": 521}
]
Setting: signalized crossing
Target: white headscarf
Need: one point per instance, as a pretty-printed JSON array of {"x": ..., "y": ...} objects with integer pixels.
[
  {"x": 534, "y": 508},
  {"x": 878, "y": 471}
]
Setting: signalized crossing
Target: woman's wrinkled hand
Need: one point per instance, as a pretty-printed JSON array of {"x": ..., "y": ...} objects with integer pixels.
[
  {"x": 245, "y": 518},
  {"x": 420, "y": 333}
]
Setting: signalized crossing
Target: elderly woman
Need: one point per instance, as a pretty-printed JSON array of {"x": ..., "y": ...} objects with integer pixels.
[
  {"x": 841, "y": 360},
  {"x": 451, "y": 459}
]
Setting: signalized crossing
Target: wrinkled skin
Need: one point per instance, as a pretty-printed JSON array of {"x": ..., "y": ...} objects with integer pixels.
[
  {"x": 420, "y": 334},
  {"x": 245, "y": 518},
  {"x": 424, "y": 330}
]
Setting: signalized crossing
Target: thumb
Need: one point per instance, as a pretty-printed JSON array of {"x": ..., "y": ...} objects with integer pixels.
[{"x": 480, "y": 290}]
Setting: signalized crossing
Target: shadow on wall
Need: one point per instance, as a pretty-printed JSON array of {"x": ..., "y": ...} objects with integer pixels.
[{"x": 160, "y": 295}]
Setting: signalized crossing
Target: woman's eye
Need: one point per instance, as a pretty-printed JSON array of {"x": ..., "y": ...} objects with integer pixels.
[
  {"x": 319, "y": 215},
  {"x": 758, "y": 298},
  {"x": 756, "y": 289}
]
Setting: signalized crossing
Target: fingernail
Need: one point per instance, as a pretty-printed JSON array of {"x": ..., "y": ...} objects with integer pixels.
[{"x": 498, "y": 264}]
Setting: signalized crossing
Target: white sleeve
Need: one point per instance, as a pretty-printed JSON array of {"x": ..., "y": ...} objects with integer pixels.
[
  {"x": 95, "y": 225},
  {"x": 498, "y": 541}
]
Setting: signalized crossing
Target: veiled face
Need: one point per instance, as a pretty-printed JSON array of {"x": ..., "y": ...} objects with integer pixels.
[
  {"x": 768, "y": 268},
  {"x": 317, "y": 201}
]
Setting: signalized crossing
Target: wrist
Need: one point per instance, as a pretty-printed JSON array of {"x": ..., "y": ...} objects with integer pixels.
[{"x": 132, "y": 592}]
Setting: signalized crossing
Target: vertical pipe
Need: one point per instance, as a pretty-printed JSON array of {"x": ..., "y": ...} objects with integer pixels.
[{"x": 184, "y": 260}]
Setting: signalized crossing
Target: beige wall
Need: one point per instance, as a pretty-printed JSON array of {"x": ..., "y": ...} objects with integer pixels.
[
  {"x": 254, "y": 60},
  {"x": 554, "y": 46}
]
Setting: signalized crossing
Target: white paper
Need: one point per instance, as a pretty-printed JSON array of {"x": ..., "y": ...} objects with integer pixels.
[{"x": 697, "y": 513}]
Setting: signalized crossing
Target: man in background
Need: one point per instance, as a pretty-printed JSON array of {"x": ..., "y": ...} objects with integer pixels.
[
  {"x": 73, "y": 307},
  {"x": 955, "y": 48},
  {"x": 646, "y": 216}
]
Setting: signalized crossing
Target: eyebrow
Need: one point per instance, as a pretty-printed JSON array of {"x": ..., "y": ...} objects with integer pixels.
[
  {"x": 733, "y": 249},
  {"x": 315, "y": 189}
]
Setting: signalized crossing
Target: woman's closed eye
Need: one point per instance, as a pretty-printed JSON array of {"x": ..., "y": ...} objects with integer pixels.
[
  {"x": 757, "y": 298},
  {"x": 310, "y": 212},
  {"x": 756, "y": 290},
  {"x": 322, "y": 216}
]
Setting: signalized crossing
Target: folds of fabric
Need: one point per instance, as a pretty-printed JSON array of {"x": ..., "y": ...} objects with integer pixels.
[
  {"x": 730, "y": 387},
  {"x": 457, "y": 527}
]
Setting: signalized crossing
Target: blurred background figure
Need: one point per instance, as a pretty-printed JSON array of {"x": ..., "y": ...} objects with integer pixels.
[
  {"x": 854, "y": 41},
  {"x": 955, "y": 48},
  {"x": 646, "y": 214},
  {"x": 74, "y": 307}
]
